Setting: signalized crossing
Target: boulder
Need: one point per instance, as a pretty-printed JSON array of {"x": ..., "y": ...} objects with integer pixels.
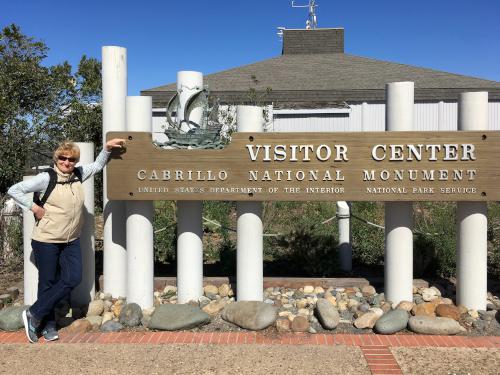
[
  {"x": 117, "y": 309},
  {"x": 448, "y": 311},
  {"x": 300, "y": 324},
  {"x": 368, "y": 290},
  {"x": 385, "y": 306},
  {"x": 79, "y": 326},
  {"x": 405, "y": 305},
  {"x": 392, "y": 322},
  {"x": 318, "y": 290},
  {"x": 308, "y": 289},
  {"x": 11, "y": 318},
  {"x": 434, "y": 326},
  {"x": 107, "y": 316},
  {"x": 176, "y": 317},
  {"x": 214, "y": 307},
  {"x": 430, "y": 294},
  {"x": 424, "y": 309},
  {"x": 327, "y": 314},
  {"x": 96, "y": 308},
  {"x": 254, "y": 315},
  {"x": 283, "y": 325},
  {"x": 111, "y": 326},
  {"x": 95, "y": 321},
  {"x": 367, "y": 320},
  {"x": 210, "y": 290},
  {"x": 131, "y": 315},
  {"x": 377, "y": 310},
  {"x": 170, "y": 290},
  {"x": 225, "y": 290}
]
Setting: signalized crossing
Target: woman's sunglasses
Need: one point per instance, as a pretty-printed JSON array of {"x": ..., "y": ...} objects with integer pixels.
[{"x": 64, "y": 158}]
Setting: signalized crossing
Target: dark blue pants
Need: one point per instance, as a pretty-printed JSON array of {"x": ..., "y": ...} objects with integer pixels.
[{"x": 59, "y": 272}]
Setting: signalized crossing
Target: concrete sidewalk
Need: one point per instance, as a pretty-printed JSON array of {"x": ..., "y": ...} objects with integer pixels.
[{"x": 253, "y": 353}]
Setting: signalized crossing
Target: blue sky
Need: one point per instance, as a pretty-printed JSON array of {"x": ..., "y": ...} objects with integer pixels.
[{"x": 162, "y": 37}]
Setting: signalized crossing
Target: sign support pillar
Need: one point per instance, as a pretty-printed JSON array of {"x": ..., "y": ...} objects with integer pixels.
[
  {"x": 345, "y": 247},
  {"x": 398, "y": 278},
  {"x": 114, "y": 92},
  {"x": 250, "y": 240},
  {"x": 139, "y": 222},
  {"x": 189, "y": 213},
  {"x": 472, "y": 223}
]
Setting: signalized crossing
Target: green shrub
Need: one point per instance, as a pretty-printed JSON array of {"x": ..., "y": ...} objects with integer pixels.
[
  {"x": 11, "y": 237},
  {"x": 165, "y": 226},
  {"x": 435, "y": 231},
  {"x": 368, "y": 241}
]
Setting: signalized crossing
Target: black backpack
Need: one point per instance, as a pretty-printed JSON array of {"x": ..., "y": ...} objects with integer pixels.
[{"x": 52, "y": 184}]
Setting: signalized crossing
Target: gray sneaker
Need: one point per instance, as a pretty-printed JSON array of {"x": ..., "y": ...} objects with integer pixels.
[
  {"x": 50, "y": 334},
  {"x": 30, "y": 326}
]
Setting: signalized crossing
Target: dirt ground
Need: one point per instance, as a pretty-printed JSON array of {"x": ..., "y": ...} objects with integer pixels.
[
  {"x": 180, "y": 359},
  {"x": 235, "y": 359},
  {"x": 456, "y": 361}
]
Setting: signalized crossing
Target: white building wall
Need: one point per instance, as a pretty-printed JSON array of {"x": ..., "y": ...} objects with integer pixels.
[{"x": 429, "y": 116}]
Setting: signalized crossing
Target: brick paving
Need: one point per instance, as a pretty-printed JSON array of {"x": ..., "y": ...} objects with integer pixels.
[{"x": 375, "y": 348}]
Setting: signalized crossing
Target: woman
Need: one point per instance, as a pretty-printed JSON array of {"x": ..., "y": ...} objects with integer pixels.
[{"x": 55, "y": 238}]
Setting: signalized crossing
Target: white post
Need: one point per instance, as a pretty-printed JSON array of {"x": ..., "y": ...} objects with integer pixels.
[
  {"x": 189, "y": 213},
  {"x": 84, "y": 293},
  {"x": 140, "y": 262},
  {"x": 472, "y": 224},
  {"x": 189, "y": 251},
  {"x": 30, "y": 270},
  {"x": 345, "y": 248},
  {"x": 114, "y": 91},
  {"x": 249, "y": 244},
  {"x": 398, "y": 215}
]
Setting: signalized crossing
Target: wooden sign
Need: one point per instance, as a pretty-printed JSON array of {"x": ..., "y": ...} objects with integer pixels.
[{"x": 368, "y": 166}]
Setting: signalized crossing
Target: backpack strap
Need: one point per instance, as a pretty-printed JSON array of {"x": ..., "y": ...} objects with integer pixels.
[
  {"x": 78, "y": 174},
  {"x": 52, "y": 184}
]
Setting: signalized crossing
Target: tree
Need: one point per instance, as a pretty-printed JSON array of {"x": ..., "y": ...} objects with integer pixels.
[{"x": 42, "y": 105}]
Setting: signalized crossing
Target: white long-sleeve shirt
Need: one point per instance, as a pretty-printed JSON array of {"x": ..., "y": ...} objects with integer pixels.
[{"x": 40, "y": 182}]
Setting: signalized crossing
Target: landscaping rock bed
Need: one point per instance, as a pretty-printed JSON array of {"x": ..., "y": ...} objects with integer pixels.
[{"x": 307, "y": 309}]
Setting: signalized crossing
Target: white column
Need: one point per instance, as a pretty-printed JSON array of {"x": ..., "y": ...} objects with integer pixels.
[
  {"x": 140, "y": 270},
  {"x": 472, "y": 224},
  {"x": 345, "y": 248},
  {"x": 189, "y": 251},
  {"x": 250, "y": 243},
  {"x": 114, "y": 91},
  {"x": 399, "y": 215},
  {"x": 84, "y": 293},
  {"x": 30, "y": 270},
  {"x": 189, "y": 221}
]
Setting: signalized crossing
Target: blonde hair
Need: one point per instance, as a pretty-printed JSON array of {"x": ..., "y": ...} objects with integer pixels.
[{"x": 67, "y": 146}]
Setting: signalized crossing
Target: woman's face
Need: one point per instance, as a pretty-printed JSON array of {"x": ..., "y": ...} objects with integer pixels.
[{"x": 66, "y": 162}]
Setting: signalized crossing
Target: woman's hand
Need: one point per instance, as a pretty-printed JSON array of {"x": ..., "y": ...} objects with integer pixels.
[
  {"x": 115, "y": 143},
  {"x": 38, "y": 211}
]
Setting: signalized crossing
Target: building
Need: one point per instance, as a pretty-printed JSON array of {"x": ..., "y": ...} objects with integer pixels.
[{"x": 315, "y": 86}]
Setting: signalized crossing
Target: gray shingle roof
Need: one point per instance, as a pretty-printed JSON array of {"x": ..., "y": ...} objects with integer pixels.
[{"x": 328, "y": 77}]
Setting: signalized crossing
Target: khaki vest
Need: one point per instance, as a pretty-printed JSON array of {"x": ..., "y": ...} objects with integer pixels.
[{"x": 63, "y": 217}]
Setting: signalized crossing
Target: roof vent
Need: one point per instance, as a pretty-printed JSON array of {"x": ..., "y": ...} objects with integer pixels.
[{"x": 303, "y": 42}]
